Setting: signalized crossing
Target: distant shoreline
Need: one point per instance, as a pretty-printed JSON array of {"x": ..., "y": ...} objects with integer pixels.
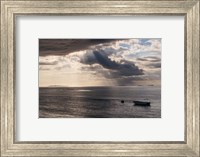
[{"x": 100, "y": 86}]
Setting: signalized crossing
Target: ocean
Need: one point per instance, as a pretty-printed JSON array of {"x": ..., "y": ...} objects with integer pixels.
[{"x": 99, "y": 102}]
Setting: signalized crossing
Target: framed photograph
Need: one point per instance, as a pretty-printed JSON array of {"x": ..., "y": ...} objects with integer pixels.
[{"x": 100, "y": 78}]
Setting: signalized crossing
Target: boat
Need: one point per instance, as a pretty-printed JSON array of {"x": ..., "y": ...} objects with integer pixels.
[{"x": 142, "y": 103}]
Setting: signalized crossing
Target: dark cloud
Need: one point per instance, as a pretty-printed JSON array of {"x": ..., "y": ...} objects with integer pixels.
[
  {"x": 154, "y": 65},
  {"x": 124, "y": 68},
  {"x": 59, "y": 47},
  {"x": 123, "y": 73},
  {"x": 88, "y": 58}
]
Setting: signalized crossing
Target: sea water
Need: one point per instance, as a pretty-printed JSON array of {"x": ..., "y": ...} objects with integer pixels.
[{"x": 99, "y": 102}]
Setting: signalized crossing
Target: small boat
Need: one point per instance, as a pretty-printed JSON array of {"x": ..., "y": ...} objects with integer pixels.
[
  {"x": 122, "y": 101},
  {"x": 142, "y": 103}
]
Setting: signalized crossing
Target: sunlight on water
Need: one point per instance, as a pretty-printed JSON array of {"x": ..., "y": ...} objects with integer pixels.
[
  {"x": 83, "y": 90},
  {"x": 99, "y": 102}
]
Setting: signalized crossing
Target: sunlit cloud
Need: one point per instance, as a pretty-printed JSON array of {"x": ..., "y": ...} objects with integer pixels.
[{"x": 101, "y": 62}]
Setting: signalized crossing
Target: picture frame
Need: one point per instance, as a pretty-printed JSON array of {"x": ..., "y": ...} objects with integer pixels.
[{"x": 12, "y": 8}]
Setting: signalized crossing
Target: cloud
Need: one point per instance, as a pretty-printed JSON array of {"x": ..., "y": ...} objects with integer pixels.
[
  {"x": 54, "y": 62},
  {"x": 115, "y": 62},
  {"x": 150, "y": 59},
  {"x": 117, "y": 69},
  {"x": 142, "y": 54},
  {"x": 62, "y": 67},
  {"x": 59, "y": 47},
  {"x": 149, "y": 63},
  {"x": 44, "y": 68},
  {"x": 154, "y": 65},
  {"x": 124, "y": 81},
  {"x": 48, "y": 63}
]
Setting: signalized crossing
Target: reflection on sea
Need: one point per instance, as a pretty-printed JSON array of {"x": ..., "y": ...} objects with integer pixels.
[{"x": 99, "y": 102}]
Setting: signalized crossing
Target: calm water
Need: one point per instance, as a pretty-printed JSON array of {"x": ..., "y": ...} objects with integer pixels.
[{"x": 99, "y": 102}]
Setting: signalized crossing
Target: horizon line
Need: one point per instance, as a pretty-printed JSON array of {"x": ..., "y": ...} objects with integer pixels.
[{"x": 54, "y": 86}]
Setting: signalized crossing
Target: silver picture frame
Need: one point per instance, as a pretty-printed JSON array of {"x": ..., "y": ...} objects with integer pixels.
[{"x": 10, "y": 9}]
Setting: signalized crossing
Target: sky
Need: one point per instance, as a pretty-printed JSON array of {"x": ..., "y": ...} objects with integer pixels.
[{"x": 99, "y": 62}]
